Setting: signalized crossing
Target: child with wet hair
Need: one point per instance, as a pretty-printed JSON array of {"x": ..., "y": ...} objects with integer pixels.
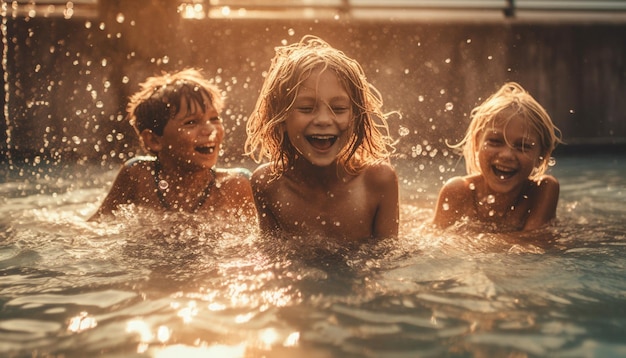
[
  {"x": 319, "y": 124},
  {"x": 176, "y": 117},
  {"x": 507, "y": 151}
]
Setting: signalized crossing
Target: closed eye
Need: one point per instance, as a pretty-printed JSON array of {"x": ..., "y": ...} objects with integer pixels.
[
  {"x": 340, "y": 110},
  {"x": 305, "y": 109},
  {"x": 494, "y": 141}
]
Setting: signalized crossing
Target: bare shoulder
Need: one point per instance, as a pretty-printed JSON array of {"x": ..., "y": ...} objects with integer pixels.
[
  {"x": 233, "y": 174},
  {"x": 260, "y": 178},
  {"x": 545, "y": 187},
  {"x": 455, "y": 200},
  {"x": 380, "y": 175},
  {"x": 544, "y": 197},
  {"x": 547, "y": 182},
  {"x": 460, "y": 185}
]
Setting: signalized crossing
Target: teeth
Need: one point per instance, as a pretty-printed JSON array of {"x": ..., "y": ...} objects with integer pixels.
[
  {"x": 322, "y": 137},
  {"x": 503, "y": 169},
  {"x": 208, "y": 150}
]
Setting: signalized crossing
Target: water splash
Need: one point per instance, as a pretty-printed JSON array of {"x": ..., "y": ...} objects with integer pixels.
[{"x": 5, "y": 79}]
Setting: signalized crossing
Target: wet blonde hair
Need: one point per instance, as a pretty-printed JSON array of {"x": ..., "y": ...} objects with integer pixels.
[
  {"x": 159, "y": 99},
  {"x": 369, "y": 141},
  {"x": 513, "y": 100}
]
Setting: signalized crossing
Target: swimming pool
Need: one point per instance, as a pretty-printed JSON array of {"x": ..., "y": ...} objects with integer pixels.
[{"x": 180, "y": 287}]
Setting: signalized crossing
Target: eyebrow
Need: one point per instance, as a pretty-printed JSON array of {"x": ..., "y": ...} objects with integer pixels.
[{"x": 316, "y": 98}]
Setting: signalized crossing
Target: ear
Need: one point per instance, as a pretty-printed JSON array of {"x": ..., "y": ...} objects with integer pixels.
[{"x": 151, "y": 141}]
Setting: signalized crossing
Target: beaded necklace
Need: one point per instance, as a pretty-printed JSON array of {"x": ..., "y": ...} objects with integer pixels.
[{"x": 162, "y": 185}]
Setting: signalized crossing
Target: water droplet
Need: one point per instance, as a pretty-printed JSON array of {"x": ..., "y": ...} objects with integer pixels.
[
  {"x": 420, "y": 98},
  {"x": 449, "y": 106},
  {"x": 472, "y": 186},
  {"x": 491, "y": 199},
  {"x": 445, "y": 206},
  {"x": 403, "y": 131},
  {"x": 492, "y": 213},
  {"x": 163, "y": 184},
  {"x": 119, "y": 18},
  {"x": 291, "y": 32},
  {"x": 551, "y": 162}
]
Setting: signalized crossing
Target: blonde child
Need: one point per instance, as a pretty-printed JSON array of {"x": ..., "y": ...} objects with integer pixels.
[
  {"x": 319, "y": 123},
  {"x": 507, "y": 149},
  {"x": 176, "y": 117}
]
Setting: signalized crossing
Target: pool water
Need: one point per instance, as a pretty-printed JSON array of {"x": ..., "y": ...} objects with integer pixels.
[{"x": 148, "y": 286}]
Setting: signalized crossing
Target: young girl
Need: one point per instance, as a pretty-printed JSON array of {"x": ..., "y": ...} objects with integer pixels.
[
  {"x": 177, "y": 119},
  {"x": 319, "y": 123},
  {"x": 506, "y": 149}
]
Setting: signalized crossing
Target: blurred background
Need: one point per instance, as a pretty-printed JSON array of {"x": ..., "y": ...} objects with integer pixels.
[{"x": 69, "y": 66}]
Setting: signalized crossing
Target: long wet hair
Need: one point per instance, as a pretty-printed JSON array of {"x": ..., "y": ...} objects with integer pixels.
[
  {"x": 369, "y": 140},
  {"x": 510, "y": 101},
  {"x": 159, "y": 99}
]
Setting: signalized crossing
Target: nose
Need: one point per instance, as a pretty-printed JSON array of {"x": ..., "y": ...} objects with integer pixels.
[
  {"x": 208, "y": 129},
  {"x": 325, "y": 115},
  {"x": 507, "y": 151}
]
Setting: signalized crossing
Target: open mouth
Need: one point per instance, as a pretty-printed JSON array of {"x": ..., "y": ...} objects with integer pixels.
[
  {"x": 503, "y": 172},
  {"x": 322, "y": 141},
  {"x": 209, "y": 149}
]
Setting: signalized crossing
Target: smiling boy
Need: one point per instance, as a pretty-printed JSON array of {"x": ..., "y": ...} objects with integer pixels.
[{"x": 177, "y": 119}]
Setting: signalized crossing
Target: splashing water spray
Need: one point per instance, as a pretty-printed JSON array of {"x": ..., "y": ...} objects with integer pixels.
[{"x": 5, "y": 79}]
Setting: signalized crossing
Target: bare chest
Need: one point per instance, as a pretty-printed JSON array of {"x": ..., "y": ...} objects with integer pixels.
[{"x": 344, "y": 212}]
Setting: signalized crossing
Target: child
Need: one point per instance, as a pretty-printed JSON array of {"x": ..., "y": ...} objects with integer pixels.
[
  {"x": 177, "y": 119},
  {"x": 507, "y": 149},
  {"x": 319, "y": 122}
]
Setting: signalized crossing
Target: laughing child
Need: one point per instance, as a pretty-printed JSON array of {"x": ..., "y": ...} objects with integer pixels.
[
  {"x": 507, "y": 150},
  {"x": 319, "y": 124},
  {"x": 176, "y": 117}
]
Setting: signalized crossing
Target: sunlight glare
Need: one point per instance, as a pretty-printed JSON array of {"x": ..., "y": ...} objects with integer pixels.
[{"x": 81, "y": 322}]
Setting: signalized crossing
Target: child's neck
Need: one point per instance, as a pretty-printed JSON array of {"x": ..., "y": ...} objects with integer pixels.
[
  {"x": 328, "y": 176},
  {"x": 184, "y": 177}
]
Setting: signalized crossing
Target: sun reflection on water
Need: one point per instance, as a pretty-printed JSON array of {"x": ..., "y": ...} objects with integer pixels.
[{"x": 81, "y": 322}]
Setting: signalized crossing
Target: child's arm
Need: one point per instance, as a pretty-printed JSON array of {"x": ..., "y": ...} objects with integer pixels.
[
  {"x": 121, "y": 192},
  {"x": 240, "y": 192},
  {"x": 451, "y": 202},
  {"x": 259, "y": 181},
  {"x": 386, "y": 221},
  {"x": 545, "y": 198}
]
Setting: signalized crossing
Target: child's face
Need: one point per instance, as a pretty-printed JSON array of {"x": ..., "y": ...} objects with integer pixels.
[
  {"x": 192, "y": 138},
  {"x": 508, "y": 153},
  {"x": 318, "y": 124}
]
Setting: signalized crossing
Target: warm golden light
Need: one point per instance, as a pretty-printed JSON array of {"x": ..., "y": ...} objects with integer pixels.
[
  {"x": 187, "y": 313},
  {"x": 191, "y": 11},
  {"x": 81, "y": 322}
]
